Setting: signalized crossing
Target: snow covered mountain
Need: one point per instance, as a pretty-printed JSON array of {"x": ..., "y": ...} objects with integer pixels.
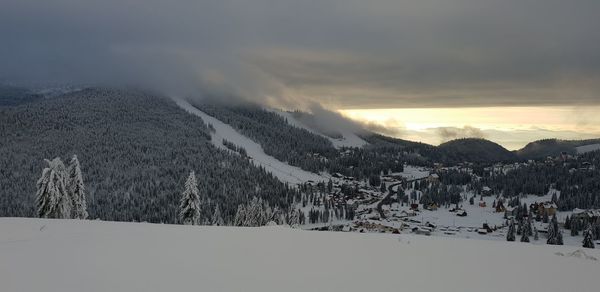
[
  {"x": 71, "y": 255},
  {"x": 136, "y": 150},
  {"x": 343, "y": 137},
  {"x": 225, "y": 133}
]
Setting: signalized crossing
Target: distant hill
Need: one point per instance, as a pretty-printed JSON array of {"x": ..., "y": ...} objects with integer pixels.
[
  {"x": 552, "y": 147},
  {"x": 378, "y": 140},
  {"x": 475, "y": 150}
]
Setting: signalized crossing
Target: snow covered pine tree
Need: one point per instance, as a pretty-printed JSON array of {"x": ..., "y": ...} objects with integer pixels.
[
  {"x": 525, "y": 231},
  {"x": 52, "y": 198},
  {"x": 189, "y": 207},
  {"x": 510, "y": 235},
  {"x": 217, "y": 219},
  {"x": 76, "y": 190},
  {"x": 588, "y": 241},
  {"x": 554, "y": 233}
]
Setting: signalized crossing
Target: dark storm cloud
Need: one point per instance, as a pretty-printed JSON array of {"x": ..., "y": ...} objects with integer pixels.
[{"x": 344, "y": 53}]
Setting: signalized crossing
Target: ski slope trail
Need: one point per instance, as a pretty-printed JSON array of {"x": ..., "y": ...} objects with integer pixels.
[
  {"x": 587, "y": 148},
  {"x": 80, "y": 255},
  {"x": 349, "y": 139},
  {"x": 283, "y": 171}
]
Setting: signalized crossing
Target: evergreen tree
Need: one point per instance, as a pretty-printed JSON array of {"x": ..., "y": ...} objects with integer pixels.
[
  {"x": 525, "y": 233},
  {"x": 383, "y": 188},
  {"x": 189, "y": 207},
  {"x": 554, "y": 234},
  {"x": 536, "y": 235},
  {"x": 596, "y": 229},
  {"x": 240, "y": 216},
  {"x": 574, "y": 227},
  {"x": 567, "y": 223},
  {"x": 551, "y": 236},
  {"x": 510, "y": 235},
  {"x": 588, "y": 242},
  {"x": 217, "y": 219},
  {"x": 76, "y": 190},
  {"x": 559, "y": 237},
  {"x": 293, "y": 218},
  {"x": 52, "y": 198},
  {"x": 554, "y": 199}
]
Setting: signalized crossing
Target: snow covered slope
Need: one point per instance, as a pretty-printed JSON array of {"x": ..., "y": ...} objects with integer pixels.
[
  {"x": 349, "y": 139},
  {"x": 70, "y": 255},
  {"x": 282, "y": 170},
  {"x": 587, "y": 148}
]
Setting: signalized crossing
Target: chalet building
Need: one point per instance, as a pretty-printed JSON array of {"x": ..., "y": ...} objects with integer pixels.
[
  {"x": 434, "y": 177},
  {"x": 547, "y": 208},
  {"x": 586, "y": 215},
  {"x": 486, "y": 191},
  {"x": 431, "y": 207}
]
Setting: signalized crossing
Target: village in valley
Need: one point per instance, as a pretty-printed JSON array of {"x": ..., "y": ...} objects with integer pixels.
[{"x": 395, "y": 204}]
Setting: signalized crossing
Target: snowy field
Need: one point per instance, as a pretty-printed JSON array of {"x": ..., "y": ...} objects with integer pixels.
[
  {"x": 70, "y": 255},
  {"x": 283, "y": 171}
]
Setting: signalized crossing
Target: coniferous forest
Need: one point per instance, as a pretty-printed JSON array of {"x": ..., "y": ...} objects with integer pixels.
[{"x": 135, "y": 150}]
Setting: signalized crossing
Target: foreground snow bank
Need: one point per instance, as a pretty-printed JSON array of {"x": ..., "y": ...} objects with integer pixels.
[{"x": 69, "y": 255}]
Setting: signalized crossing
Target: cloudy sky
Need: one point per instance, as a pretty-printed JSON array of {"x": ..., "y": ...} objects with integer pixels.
[{"x": 429, "y": 70}]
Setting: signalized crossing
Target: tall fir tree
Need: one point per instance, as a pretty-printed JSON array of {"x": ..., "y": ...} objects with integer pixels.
[
  {"x": 559, "y": 237},
  {"x": 240, "y": 216},
  {"x": 217, "y": 219},
  {"x": 525, "y": 232},
  {"x": 510, "y": 235},
  {"x": 554, "y": 234},
  {"x": 52, "y": 198},
  {"x": 574, "y": 224},
  {"x": 189, "y": 207},
  {"x": 76, "y": 190},
  {"x": 293, "y": 218},
  {"x": 588, "y": 241}
]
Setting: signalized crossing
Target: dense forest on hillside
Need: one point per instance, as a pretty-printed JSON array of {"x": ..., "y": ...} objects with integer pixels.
[
  {"x": 296, "y": 146},
  {"x": 578, "y": 181},
  {"x": 135, "y": 149},
  {"x": 552, "y": 147},
  {"x": 307, "y": 150},
  {"x": 475, "y": 150}
]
